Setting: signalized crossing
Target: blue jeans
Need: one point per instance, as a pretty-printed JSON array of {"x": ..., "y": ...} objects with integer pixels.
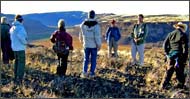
[{"x": 87, "y": 53}]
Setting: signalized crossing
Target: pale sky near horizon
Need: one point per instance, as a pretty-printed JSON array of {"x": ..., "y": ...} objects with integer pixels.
[{"x": 117, "y": 7}]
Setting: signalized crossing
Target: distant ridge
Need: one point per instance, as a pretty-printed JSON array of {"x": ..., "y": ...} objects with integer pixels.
[{"x": 51, "y": 18}]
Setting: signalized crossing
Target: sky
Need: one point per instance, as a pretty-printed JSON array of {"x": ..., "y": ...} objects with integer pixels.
[{"x": 117, "y": 7}]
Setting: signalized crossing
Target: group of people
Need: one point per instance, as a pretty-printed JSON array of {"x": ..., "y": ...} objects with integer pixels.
[
  {"x": 175, "y": 45},
  {"x": 13, "y": 45}
]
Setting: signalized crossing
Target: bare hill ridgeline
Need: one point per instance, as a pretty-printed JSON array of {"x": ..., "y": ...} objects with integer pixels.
[{"x": 41, "y": 25}]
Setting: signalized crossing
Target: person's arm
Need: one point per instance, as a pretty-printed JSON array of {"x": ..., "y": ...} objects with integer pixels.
[
  {"x": 98, "y": 37},
  {"x": 185, "y": 47},
  {"x": 70, "y": 42},
  {"x": 146, "y": 32},
  {"x": 8, "y": 32},
  {"x": 132, "y": 33},
  {"x": 166, "y": 45},
  {"x": 107, "y": 33},
  {"x": 52, "y": 37},
  {"x": 22, "y": 35},
  {"x": 80, "y": 33},
  {"x": 119, "y": 33}
]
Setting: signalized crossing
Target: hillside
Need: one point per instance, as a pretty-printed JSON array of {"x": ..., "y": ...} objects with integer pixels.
[
  {"x": 158, "y": 25},
  {"x": 157, "y": 32},
  {"x": 114, "y": 78},
  {"x": 147, "y": 18},
  {"x": 35, "y": 29},
  {"x": 50, "y": 19},
  {"x": 41, "y": 25}
]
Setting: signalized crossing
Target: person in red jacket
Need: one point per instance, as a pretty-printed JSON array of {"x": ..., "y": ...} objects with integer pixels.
[{"x": 62, "y": 36}]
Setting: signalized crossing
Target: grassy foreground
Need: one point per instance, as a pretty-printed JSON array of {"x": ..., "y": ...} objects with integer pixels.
[{"x": 114, "y": 78}]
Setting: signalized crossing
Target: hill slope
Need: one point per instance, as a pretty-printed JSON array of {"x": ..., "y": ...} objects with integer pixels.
[
  {"x": 35, "y": 29},
  {"x": 50, "y": 19}
]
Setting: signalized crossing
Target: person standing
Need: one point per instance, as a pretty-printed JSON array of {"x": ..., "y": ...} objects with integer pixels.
[
  {"x": 18, "y": 43},
  {"x": 176, "y": 49},
  {"x": 112, "y": 37},
  {"x": 7, "y": 52},
  {"x": 62, "y": 37},
  {"x": 138, "y": 35},
  {"x": 90, "y": 36}
]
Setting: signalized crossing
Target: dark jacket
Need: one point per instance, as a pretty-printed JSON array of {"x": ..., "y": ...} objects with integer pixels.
[
  {"x": 5, "y": 31},
  {"x": 176, "y": 41},
  {"x": 140, "y": 32},
  {"x": 112, "y": 32},
  {"x": 62, "y": 36},
  {"x": 6, "y": 43}
]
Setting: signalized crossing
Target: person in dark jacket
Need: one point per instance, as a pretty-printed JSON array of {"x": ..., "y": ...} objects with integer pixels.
[
  {"x": 176, "y": 50},
  {"x": 138, "y": 35},
  {"x": 62, "y": 36},
  {"x": 112, "y": 37},
  {"x": 6, "y": 41}
]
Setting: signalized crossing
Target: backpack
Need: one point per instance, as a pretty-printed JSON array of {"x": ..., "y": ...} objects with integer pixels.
[{"x": 60, "y": 48}]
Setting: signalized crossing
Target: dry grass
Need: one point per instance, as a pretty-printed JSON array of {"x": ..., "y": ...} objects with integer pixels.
[
  {"x": 115, "y": 78},
  {"x": 77, "y": 45}
]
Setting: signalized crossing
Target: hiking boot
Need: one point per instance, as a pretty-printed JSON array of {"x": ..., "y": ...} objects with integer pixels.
[
  {"x": 84, "y": 75},
  {"x": 180, "y": 86},
  {"x": 133, "y": 63},
  {"x": 60, "y": 78},
  {"x": 91, "y": 76},
  {"x": 141, "y": 64},
  {"x": 18, "y": 82},
  {"x": 165, "y": 86}
]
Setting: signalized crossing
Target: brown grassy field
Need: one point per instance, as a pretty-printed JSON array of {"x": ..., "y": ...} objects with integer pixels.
[
  {"x": 115, "y": 78},
  {"x": 76, "y": 44}
]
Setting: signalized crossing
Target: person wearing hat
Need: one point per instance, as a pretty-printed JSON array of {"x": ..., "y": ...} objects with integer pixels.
[
  {"x": 7, "y": 53},
  {"x": 112, "y": 37},
  {"x": 61, "y": 35},
  {"x": 18, "y": 43},
  {"x": 90, "y": 36},
  {"x": 140, "y": 31},
  {"x": 176, "y": 50}
]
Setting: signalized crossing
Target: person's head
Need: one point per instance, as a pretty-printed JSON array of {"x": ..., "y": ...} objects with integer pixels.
[
  {"x": 140, "y": 18},
  {"x": 91, "y": 14},
  {"x": 61, "y": 25},
  {"x": 181, "y": 26},
  {"x": 19, "y": 18},
  {"x": 3, "y": 20},
  {"x": 113, "y": 22}
]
